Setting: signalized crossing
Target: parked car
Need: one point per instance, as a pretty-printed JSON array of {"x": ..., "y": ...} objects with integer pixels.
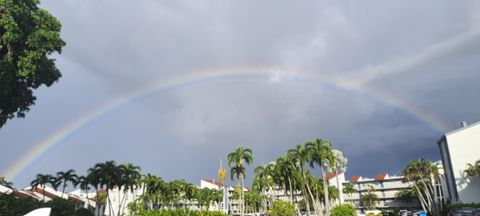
[
  {"x": 420, "y": 213},
  {"x": 464, "y": 212},
  {"x": 405, "y": 213}
]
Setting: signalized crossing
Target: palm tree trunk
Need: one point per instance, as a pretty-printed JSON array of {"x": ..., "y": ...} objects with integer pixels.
[
  {"x": 63, "y": 190},
  {"x": 319, "y": 205},
  {"x": 243, "y": 195},
  {"x": 291, "y": 191},
  {"x": 43, "y": 192},
  {"x": 421, "y": 198},
  {"x": 325, "y": 190},
  {"x": 97, "y": 206},
  {"x": 110, "y": 207},
  {"x": 340, "y": 191},
  {"x": 88, "y": 200},
  {"x": 305, "y": 199},
  {"x": 315, "y": 208}
]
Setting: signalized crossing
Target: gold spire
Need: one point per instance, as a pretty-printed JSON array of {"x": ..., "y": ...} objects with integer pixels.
[{"x": 222, "y": 173}]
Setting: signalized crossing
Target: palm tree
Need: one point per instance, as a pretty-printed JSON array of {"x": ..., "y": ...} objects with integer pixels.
[
  {"x": 235, "y": 162},
  {"x": 83, "y": 182},
  {"x": 263, "y": 180},
  {"x": 94, "y": 178},
  {"x": 190, "y": 191},
  {"x": 128, "y": 176},
  {"x": 153, "y": 189},
  {"x": 369, "y": 199},
  {"x": 423, "y": 173},
  {"x": 339, "y": 166},
  {"x": 285, "y": 167},
  {"x": 320, "y": 152},
  {"x": 108, "y": 174},
  {"x": 41, "y": 180},
  {"x": 65, "y": 177},
  {"x": 349, "y": 189},
  {"x": 55, "y": 182},
  {"x": 217, "y": 197},
  {"x": 299, "y": 156}
]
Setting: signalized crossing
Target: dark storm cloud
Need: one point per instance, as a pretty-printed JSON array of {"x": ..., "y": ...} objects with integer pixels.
[{"x": 420, "y": 52}]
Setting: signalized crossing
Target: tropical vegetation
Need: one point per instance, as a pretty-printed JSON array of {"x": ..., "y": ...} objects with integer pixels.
[
  {"x": 236, "y": 161},
  {"x": 282, "y": 208},
  {"x": 289, "y": 173},
  {"x": 369, "y": 199},
  {"x": 344, "y": 210},
  {"x": 424, "y": 176},
  {"x": 473, "y": 170},
  {"x": 180, "y": 212},
  {"x": 11, "y": 205}
]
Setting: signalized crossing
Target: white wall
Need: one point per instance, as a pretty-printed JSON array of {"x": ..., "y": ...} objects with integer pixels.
[{"x": 464, "y": 146}]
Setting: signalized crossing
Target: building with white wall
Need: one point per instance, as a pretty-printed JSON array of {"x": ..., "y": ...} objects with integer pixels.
[
  {"x": 384, "y": 186},
  {"x": 457, "y": 149}
]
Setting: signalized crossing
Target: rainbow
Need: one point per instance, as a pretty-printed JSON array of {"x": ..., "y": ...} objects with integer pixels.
[{"x": 88, "y": 118}]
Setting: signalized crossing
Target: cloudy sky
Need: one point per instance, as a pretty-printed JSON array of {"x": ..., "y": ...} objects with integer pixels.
[{"x": 391, "y": 78}]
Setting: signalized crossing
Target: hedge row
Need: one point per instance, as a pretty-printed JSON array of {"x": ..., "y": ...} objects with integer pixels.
[{"x": 180, "y": 212}]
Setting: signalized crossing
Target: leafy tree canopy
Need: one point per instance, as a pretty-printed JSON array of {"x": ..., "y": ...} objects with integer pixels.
[
  {"x": 282, "y": 208},
  {"x": 344, "y": 210},
  {"x": 29, "y": 36}
]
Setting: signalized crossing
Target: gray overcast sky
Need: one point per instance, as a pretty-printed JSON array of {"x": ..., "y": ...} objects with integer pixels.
[{"x": 426, "y": 53}]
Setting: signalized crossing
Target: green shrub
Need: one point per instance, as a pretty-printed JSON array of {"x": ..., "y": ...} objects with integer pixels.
[
  {"x": 344, "y": 210},
  {"x": 282, "y": 208},
  {"x": 180, "y": 212},
  {"x": 61, "y": 207},
  {"x": 11, "y": 205}
]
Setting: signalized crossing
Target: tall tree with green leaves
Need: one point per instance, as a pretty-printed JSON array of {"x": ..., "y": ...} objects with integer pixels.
[
  {"x": 339, "y": 166},
  {"x": 320, "y": 153},
  {"x": 300, "y": 156},
  {"x": 66, "y": 177},
  {"x": 236, "y": 160},
  {"x": 349, "y": 189},
  {"x": 94, "y": 179},
  {"x": 263, "y": 180},
  {"x": 108, "y": 174},
  {"x": 84, "y": 183},
  {"x": 153, "y": 190},
  {"x": 369, "y": 199},
  {"x": 41, "y": 180},
  {"x": 55, "y": 182},
  {"x": 423, "y": 174},
  {"x": 128, "y": 177},
  {"x": 29, "y": 36}
]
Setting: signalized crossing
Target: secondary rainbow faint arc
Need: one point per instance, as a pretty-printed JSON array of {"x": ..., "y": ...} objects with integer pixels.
[{"x": 38, "y": 149}]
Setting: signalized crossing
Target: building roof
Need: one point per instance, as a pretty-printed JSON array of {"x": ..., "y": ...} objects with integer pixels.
[
  {"x": 381, "y": 176},
  {"x": 462, "y": 128},
  {"x": 26, "y": 194},
  {"x": 330, "y": 176},
  {"x": 47, "y": 193},
  {"x": 355, "y": 179},
  {"x": 212, "y": 181}
]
